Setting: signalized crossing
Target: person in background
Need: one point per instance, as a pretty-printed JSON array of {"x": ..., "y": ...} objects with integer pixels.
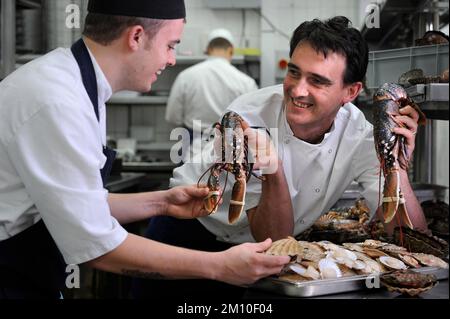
[
  {"x": 54, "y": 208},
  {"x": 323, "y": 144},
  {"x": 203, "y": 91}
]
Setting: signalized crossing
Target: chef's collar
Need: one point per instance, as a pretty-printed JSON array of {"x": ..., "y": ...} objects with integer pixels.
[
  {"x": 104, "y": 88},
  {"x": 288, "y": 131}
]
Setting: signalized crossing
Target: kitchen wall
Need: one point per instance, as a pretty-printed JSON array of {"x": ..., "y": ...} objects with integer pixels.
[{"x": 266, "y": 29}]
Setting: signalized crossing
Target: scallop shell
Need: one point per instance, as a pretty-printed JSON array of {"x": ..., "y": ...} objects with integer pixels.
[
  {"x": 311, "y": 251},
  {"x": 329, "y": 269},
  {"x": 371, "y": 243},
  {"x": 343, "y": 256},
  {"x": 298, "y": 269},
  {"x": 353, "y": 246},
  {"x": 328, "y": 245},
  {"x": 346, "y": 271},
  {"x": 359, "y": 265},
  {"x": 309, "y": 272},
  {"x": 392, "y": 248},
  {"x": 285, "y": 247},
  {"x": 392, "y": 263},
  {"x": 430, "y": 260},
  {"x": 374, "y": 253},
  {"x": 410, "y": 261}
]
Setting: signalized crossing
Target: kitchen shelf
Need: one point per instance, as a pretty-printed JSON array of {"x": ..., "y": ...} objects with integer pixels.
[
  {"x": 432, "y": 99},
  {"x": 387, "y": 65}
]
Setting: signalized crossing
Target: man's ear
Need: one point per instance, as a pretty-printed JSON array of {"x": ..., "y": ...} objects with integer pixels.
[
  {"x": 135, "y": 37},
  {"x": 352, "y": 91}
]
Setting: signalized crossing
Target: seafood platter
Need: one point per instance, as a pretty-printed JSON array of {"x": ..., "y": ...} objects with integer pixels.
[{"x": 323, "y": 268}]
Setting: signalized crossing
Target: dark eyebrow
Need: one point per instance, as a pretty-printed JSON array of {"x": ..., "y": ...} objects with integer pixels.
[
  {"x": 319, "y": 77},
  {"x": 293, "y": 66}
]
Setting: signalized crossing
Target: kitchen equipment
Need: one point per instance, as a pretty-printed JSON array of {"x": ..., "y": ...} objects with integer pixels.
[{"x": 143, "y": 134}]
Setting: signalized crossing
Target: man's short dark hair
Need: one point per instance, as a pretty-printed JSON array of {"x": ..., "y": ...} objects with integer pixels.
[
  {"x": 335, "y": 35},
  {"x": 219, "y": 43},
  {"x": 104, "y": 29}
]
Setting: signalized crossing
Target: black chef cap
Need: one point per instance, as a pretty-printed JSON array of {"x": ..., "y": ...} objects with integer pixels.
[{"x": 155, "y": 9}]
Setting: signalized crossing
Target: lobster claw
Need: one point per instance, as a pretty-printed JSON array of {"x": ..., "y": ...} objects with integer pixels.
[
  {"x": 237, "y": 201},
  {"x": 211, "y": 202},
  {"x": 393, "y": 200}
]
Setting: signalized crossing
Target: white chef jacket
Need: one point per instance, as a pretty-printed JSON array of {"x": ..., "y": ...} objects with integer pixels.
[
  {"x": 203, "y": 91},
  {"x": 317, "y": 174},
  {"x": 51, "y": 156}
]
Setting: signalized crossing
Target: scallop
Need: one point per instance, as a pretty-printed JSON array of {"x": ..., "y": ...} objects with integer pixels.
[
  {"x": 353, "y": 246},
  {"x": 343, "y": 256},
  {"x": 329, "y": 269},
  {"x": 359, "y": 265},
  {"x": 430, "y": 260},
  {"x": 392, "y": 263},
  {"x": 410, "y": 261},
  {"x": 309, "y": 272},
  {"x": 298, "y": 269}
]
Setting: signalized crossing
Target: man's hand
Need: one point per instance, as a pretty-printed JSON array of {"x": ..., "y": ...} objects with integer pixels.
[
  {"x": 264, "y": 152},
  {"x": 408, "y": 118},
  {"x": 244, "y": 264},
  {"x": 186, "y": 201}
]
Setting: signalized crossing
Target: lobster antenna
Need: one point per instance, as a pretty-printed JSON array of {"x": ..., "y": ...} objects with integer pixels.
[{"x": 203, "y": 175}]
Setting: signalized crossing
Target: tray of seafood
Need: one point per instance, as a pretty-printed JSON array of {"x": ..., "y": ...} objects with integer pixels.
[{"x": 323, "y": 268}]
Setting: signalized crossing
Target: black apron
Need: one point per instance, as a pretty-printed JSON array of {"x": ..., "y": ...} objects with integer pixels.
[{"x": 31, "y": 265}]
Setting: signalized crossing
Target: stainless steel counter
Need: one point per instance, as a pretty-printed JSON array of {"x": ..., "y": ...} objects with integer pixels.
[{"x": 440, "y": 291}]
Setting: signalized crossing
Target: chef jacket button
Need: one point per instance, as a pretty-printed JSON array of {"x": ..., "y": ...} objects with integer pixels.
[
  {"x": 302, "y": 221},
  {"x": 317, "y": 190},
  {"x": 330, "y": 151},
  {"x": 287, "y": 141}
]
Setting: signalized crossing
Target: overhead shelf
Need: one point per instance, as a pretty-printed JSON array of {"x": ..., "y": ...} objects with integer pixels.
[
  {"x": 432, "y": 98},
  {"x": 396, "y": 22},
  {"x": 29, "y": 4}
]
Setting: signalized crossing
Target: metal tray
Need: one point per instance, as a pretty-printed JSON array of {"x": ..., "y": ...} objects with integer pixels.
[{"x": 322, "y": 287}]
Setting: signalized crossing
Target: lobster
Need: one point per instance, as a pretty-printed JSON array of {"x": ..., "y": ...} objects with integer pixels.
[
  {"x": 390, "y": 147},
  {"x": 233, "y": 159}
]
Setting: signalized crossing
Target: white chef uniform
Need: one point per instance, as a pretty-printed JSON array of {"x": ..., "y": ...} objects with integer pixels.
[
  {"x": 203, "y": 91},
  {"x": 50, "y": 157},
  {"x": 317, "y": 174}
]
